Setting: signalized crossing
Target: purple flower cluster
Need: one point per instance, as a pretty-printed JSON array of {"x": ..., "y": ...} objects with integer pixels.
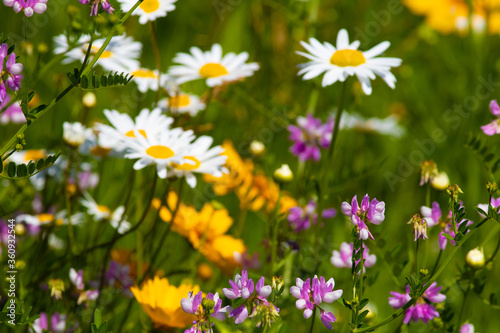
[
  {"x": 76, "y": 279},
  {"x": 300, "y": 218},
  {"x": 255, "y": 294},
  {"x": 10, "y": 73},
  {"x": 118, "y": 274},
  {"x": 193, "y": 304},
  {"x": 312, "y": 294},
  {"x": 308, "y": 136},
  {"x": 57, "y": 323},
  {"x": 94, "y": 6},
  {"x": 493, "y": 127},
  {"x": 434, "y": 216},
  {"x": 368, "y": 212},
  {"x": 422, "y": 309},
  {"x": 11, "y": 113},
  {"x": 343, "y": 259},
  {"x": 28, "y": 6}
]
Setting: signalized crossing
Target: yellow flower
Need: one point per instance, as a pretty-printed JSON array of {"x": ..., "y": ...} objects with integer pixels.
[
  {"x": 254, "y": 190},
  {"x": 448, "y": 16},
  {"x": 205, "y": 230},
  {"x": 162, "y": 302}
]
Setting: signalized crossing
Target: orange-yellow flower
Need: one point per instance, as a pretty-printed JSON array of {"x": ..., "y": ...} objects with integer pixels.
[{"x": 162, "y": 302}]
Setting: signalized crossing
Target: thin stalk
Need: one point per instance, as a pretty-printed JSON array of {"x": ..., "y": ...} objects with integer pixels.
[
  {"x": 416, "y": 255},
  {"x": 494, "y": 253},
  {"x": 338, "y": 116},
  {"x": 274, "y": 235},
  {"x": 462, "y": 309},
  {"x": 427, "y": 285},
  {"x": 313, "y": 318},
  {"x": 156, "y": 50},
  {"x": 437, "y": 261}
]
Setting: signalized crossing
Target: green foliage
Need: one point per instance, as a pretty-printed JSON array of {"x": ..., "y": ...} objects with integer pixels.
[
  {"x": 98, "y": 326},
  {"x": 86, "y": 82},
  {"x": 23, "y": 170},
  {"x": 22, "y": 315},
  {"x": 484, "y": 151}
]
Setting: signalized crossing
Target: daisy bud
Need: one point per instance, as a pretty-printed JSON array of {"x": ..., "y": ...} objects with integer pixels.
[
  {"x": 440, "y": 181},
  {"x": 475, "y": 258},
  {"x": 257, "y": 148},
  {"x": 283, "y": 174},
  {"x": 89, "y": 100},
  {"x": 20, "y": 229}
]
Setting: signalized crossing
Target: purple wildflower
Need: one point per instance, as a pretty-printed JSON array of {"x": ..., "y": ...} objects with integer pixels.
[
  {"x": 12, "y": 113},
  {"x": 313, "y": 295},
  {"x": 368, "y": 212},
  {"x": 422, "y": 309},
  {"x": 57, "y": 323},
  {"x": 300, "y": 218},
  {"x": 344, "y": 257},
  {"x": 76, "y": 278},
  {"x": 467, "y": 328},
  {"x": 10, "y": 73},
  {"x": 309, "y": 136},
  {"x": 493, "y": 127},
  {"x": 94, "y": 6},
  {"x": 434, "y": 216},
  {"x": 28, "y": 6},
  {"x": 255, "y": 299},
  {"x": 495, "y": 203},
  {"x": 120, "y": 274}
]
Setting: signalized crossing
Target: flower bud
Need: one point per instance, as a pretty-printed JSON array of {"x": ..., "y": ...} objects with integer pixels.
[
  {"x": 440, "y": 181},
  {"x": 204, "y": 271},
  {"x": 283, "y": 174},
  {"x": 492, "y": 188},
  {"x": 207, "y": 304},
  {"x": 20, "y": 229},
  {"x": 257, "y": 148},
  {"x": 428, "y": 170},
  {"x": 475, "y": 258},
  {"x": 453, "y": 191},
  {"x": 89, "y": 100}
]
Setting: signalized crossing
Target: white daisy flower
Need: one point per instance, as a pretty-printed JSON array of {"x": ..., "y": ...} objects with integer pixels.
[
  {"x": 145, "y": 79},
  {"x": 148, "y": 124},
  {"x": 212, "y": 66},
  {"x": 169, "y": 147},
  {"x": 181, "y": 103},
  {"x": 385, "y": 126},
  {"x": 59, "y": 218},
  {"x": 149, "y": 10},
  {"x": 120, "y": 55},
  {"x": 103, "y": 213},
  {"x": 200, "y": 158},
  {"x": 346, "y": 60},
  {"x": 74, "y": 134}
]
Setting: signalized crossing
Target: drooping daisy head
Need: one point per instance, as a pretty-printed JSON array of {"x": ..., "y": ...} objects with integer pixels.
[
  {"x": 212, "y": 66},
  {"x": 170, "y": 146},
  {"x": 120, "y": 55},
  {"x": 149, "y": 10},
  {"x": 147, "y": 124},
  {"x": 338, "y": 63},
  {"x": 200, "y": 158}
]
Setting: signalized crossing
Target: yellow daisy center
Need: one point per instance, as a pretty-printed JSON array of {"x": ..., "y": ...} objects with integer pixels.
[
  {"x": 179, "y": 101},
  {"x": 131, "y": 134},
  {"x": 144, "y": 73},
  {"x": 33, "y": 154},
  {"x": 105, "y": 54},
  {"x": 160, "y": 152},
  {"x": 149, "y": 6},
  {"x": 45, "y": 218},
  {"x": 347, "y": 57},
  {"x": 213, "y": 70},
  {"x": 186, "y": 166},
  {"x": 103, "y": 209}
]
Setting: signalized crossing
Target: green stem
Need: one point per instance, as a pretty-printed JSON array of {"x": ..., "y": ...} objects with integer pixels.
[
  {"x": 494, "y": 253},
  {"x": 338, "y": 116},
  {"x": 313, "y": 318},
  {"x": 462, "y": 309},
  {"x": 437, "y": 261},
  {"x": 274, "y": 235},
  {"x": 416, "y": 255},
  {"x": 156, "y": 50},
  {"x": 427, "y": 285}
]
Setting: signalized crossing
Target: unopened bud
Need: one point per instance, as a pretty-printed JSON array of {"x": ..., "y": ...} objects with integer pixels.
[
  {"x": 207, "y": 304},
  {"x": 20, "y": 229},
  {"x": 89, "y": 100},
  {"x": 257, "y": 148},
  {"x": 440, "y": 181},
  {"x": 475, "y": 258},
  {"x": 492, "y": 188},
  {"x": 453, "y": 191},
  {"x": 283, "y": 174}
]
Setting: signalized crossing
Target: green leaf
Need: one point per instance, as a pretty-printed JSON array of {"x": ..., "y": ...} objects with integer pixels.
[
  {"x": 448, "y": 236},
  {"x": 362, "y": 316},
  {"x": 11, "y": 169},
  {"x": 39, "y": 164},
  {"x": 22, "y": 170},
  {"x": 97, "y": 318}
]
